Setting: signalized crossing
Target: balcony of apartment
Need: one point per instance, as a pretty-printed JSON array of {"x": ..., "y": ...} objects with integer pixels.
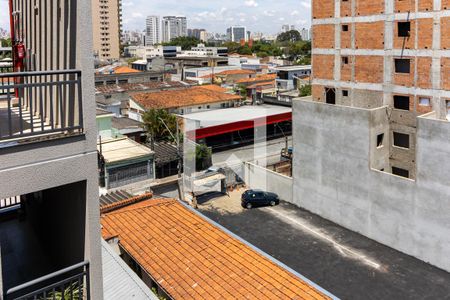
[
  {"x": 42, "y": 245},
  {"x": 36, "y": 106}
]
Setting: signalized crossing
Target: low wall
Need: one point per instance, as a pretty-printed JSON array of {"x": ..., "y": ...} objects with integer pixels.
[
  {"x": 257, "y": 177},
  {"x": 333, "y": 178}
]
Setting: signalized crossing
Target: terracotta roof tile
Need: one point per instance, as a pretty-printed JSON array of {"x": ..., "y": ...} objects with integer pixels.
[
  {"x": 125, "y": 70},
  {"x": 213, "y": 87},
  {"x": 237, "y": 72},
  {"x": 261, "y": 84},
  {"x": 192, "y": 259},
  {"x": 265, "y": 77},
  {"x": 196, "y": 95}
]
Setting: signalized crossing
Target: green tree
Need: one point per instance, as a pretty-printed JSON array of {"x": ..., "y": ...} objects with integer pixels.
[
  {"x": 186, "y": 42},
  {"x": 6, "y": 42},
  {"x": 232, "y": 47},
  {"x": 305, "y": 90},
  {"x": 131, "y": 60},
  {"x": 297, "y": 50},
  {"x": 203, "y": 157},
  {"x": 289, "y": 36},
  {"x": 156, "y": 122},
  {"x": 305, "y": 60},
  {"x": 241, "y": 90},
  {"x": 245, "y": 50}
]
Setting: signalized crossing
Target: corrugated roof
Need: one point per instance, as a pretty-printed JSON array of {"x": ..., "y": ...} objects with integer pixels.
[
  {"x": 102, "y": 112},
  {"x": 114, "y": 197},
  {"x": 196, "y": 95},
  {"x": 190, "y": 258},
  {"x": 126, "y": 123},
  {"x": 144, "y": 86},
  {"x": 119, "y": 281},
  {"x": 165, "y": 153}
]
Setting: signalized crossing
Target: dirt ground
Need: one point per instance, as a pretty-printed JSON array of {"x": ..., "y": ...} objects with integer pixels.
[{"x": 222, "y": 204}]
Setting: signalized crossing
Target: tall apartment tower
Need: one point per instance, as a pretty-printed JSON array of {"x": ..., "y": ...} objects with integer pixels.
[
  {"x": 173, "y": 27},
  {"x": 107, "y": 28},
  {"x": 153, "y": 31},
  {"x": 372, "y": 146},
  {"x": 392, "y": 52},
  {"x": 49, "y": 211},
  {"x": 237, "y": 34}
]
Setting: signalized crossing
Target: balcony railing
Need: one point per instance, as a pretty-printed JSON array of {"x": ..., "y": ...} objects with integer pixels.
[
  {"x": 13, "y": 202},
  {"x": 40, "y": 103},
  {"x": 70, "y": 283}
]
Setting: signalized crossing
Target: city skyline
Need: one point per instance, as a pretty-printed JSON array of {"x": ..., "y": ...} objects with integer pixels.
[{"x": 256, "y": 15}]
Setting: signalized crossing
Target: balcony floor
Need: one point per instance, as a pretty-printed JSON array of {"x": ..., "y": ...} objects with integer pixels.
[
  {"x": 23, "y": 258},
  {"x": 16, "y": 121}
]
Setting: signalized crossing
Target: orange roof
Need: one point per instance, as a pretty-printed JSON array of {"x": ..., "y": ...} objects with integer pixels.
[
  {"x": 124, "y": 70},
  {"x": 260, "y": 84},
  {"x": 192, "y": 259},
  {"x": 196, "y": 95},
  {"x": 237, "y": 72},
  {"x": 265, "y": 77},
  {"x": 213, "y": 87}
]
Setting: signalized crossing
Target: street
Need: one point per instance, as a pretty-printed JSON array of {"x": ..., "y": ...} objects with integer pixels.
[{"x": 343, "y": 262}]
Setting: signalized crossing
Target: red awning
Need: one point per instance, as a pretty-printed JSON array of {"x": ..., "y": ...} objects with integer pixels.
[{"x": 241, "y": 125}]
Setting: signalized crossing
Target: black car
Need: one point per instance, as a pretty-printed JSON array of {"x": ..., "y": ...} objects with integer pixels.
[{"x": 255, "y": 198}]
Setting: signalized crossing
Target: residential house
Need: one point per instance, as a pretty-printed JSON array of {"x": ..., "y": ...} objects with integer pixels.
[
  {"x": 231, "y": 76},
  {"x": 289, "y": 77},
  {"x": 262, "y": 78},
  {"x": 197, "y": 98},
  {"x": 114, "y": 97},
  {"x": 183, "y": 255},
  {"x": 130, "y": 128},
  {"x": 123, "y": 161}
]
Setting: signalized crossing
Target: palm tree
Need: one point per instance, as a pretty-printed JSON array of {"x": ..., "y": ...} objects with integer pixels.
[{"x": 154, "y": 120}]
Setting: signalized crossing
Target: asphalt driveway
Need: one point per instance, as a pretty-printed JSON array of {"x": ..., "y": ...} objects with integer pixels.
[{"x": 343, "y": 262}]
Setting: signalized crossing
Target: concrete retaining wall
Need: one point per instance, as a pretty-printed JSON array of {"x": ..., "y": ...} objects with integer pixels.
[
  {"x": 257, "y": 177},
  {"x": 334, "y": 179}
]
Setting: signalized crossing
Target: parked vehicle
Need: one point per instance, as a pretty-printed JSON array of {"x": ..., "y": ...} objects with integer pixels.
[{"x": 257, "y": 198}]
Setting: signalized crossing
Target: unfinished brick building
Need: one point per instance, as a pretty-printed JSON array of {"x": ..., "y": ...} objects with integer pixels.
[{"x": 396, "y": 53}]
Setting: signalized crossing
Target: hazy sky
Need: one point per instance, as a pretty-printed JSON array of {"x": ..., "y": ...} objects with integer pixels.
[{"x": 258, "y": 15}]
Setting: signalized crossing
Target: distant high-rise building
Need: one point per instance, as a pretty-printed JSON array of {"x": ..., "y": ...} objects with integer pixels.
[
  {"x": 257, "y": 36},
  {"x": 132, "y": 37},
  {"x": 106, "y": 21},
  {"x": 285, "y": 28},
  {"x": 203, "y": 36},
  {"x": 304, "y": 33},
  {"x": 173, "y": 27},
  {"x": 198, "y": 34},
  {"x": 237, "y": 33},
  {"x": 153, "y": 31},
  {"x": 293, "y": 27}
]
